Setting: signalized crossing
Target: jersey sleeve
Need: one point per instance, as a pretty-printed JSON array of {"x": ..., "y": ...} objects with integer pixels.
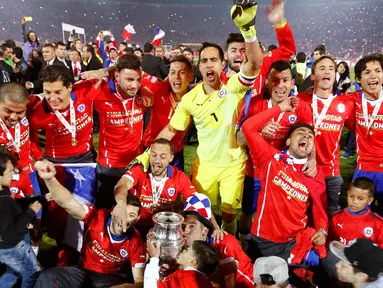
[
  {"x": 137, "y": 252},
  {"x": 332, "y": 233},
  {"x": 186, "y": 187},
  {"x": 91, "y": 212},
  {"x": 231, "y": 249},
  {"x": 181, "y": 118},
  {"x": 134, "y": 174},
  {"x": 239, "y": 84},
  {"x": 86, "y": 89},
  {"x": 257, "y": 145}
]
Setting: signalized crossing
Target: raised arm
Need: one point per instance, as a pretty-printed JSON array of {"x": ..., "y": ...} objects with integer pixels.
[
  {"x": 60, "y": 194},
  {"x": 168, "y": 132}
]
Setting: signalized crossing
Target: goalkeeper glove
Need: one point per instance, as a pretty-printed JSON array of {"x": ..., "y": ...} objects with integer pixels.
[
  {"x": 142, "y": 159},
  {"x": 243, "y": 14}
]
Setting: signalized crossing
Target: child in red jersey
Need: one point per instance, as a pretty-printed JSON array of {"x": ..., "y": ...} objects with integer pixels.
[
  {"x": 198, "y": 261},
  {"x": 355, "y": 221}
]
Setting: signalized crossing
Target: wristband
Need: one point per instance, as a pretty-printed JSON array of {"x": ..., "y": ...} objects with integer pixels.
[
  {"x": 281, "y": 25},
  {"x": 324, "y": 231}
]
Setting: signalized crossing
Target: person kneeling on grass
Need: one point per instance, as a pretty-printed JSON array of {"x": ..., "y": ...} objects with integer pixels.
[{"x": 106, "y": 247}]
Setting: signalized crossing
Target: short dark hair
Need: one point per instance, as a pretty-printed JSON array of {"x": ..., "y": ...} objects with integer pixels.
[
  {"x": 55, "y": 73},
  {"x": 59, "y": 43},
  {"x": 271, "y": 48},
  {"x": 5, "y": 46},
  {"x": 49, "y": 45},
  {"x": 183, "y": 59},
  {"x": 301, "y": 57},
  {"x": 164, "y": 141},
  {"x": 90, "y": 48},
  {"x": 316, "y": 62},
  {"x": 134, "y": 201},
  {"x": 361, "y": 65},
  {"x": 5, "y": 156},
  {"x": 188, "y": 49},
  {"x": 148, "y": 47},
  {"x": 364, "y": 183},
  {"x": 280, "y": 66},
  {"x": 129, "y": 50},
  {"x": 206, "y": 256},
  {"x": 10, "y": 42},
  {"x": 213, "y": 45},
  {"x": 301, "y": 125},
  {"x": 124, "y": 44},
  {"x": 14, "y": 92},
  {"x": 321, "y": 49},
  {"x": 234, "y": 38},
  {"x": 128, "y": 61},
  {"x": 138, "y": 49},
  {"x": 18, "y": 51},
  {"x": 76, "y": 51}
]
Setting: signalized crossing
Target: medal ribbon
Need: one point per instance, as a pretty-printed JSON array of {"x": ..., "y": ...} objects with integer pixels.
[
  {"x": 124, "y": 101},
  {"x": 318, "y": 118},
  {"x": 157, "y": 187},
  {"x": 16, "y": 140},
  {"x": 72, "y": 116},
  {"x": 369, "y": 122}
]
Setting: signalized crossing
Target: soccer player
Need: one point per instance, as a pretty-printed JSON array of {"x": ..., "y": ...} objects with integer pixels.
[
  {"x": 286, "y": 192},
  {"x": 278, "y": 87},
  {"x": 369, "y": 122},
  {"x": 15, "y": 136},
  {"x": 121, "y": 104},
  {"x": 106, "y": 246},
  {"x": 236, "y": 269},
  {"x": 65, "y": 114},
  {"x": 360, "y": 263},
  {"x": 198, "y": 261},
  {"x": 355, "y": 221},
  {"x": 220, "y": 165},
  {"x": 157, "y": 189},
  {"x": 330, "y": 113},
  {"x": 167, "y": 95}
]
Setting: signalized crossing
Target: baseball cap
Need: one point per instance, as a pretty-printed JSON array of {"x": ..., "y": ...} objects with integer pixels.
[
  {"x": 363, "y": 254},
  {"x": 113, "y": 48},
  {"x": 199, "y": 205},
  {"x": 270, "y": 270}
]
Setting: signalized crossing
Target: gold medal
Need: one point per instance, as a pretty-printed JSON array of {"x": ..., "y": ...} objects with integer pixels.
[
  {"x": 74, "y": 142},
  {"x": 154, "y": 207}
]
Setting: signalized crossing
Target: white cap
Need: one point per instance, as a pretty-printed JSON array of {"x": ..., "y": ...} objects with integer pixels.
[{"x": 274, "y": 266}]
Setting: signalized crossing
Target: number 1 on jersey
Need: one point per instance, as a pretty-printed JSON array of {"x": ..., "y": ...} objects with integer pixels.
[{"x": 215, "y": 117}]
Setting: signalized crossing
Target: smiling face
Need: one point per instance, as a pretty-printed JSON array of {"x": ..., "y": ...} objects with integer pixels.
[
  {"x": 179, "y": 77},
  {"x": 371, "y": 79},
  {"x": 236, "y": 56},
  {"x": 12, "y": 113},
  {"x": 32, "y": 37},
  {"x": 210, "y": 66},
  {"x": 324, "y": 74},
  {"x": 57, "y": 95},
  {"x": 160, "y": 157},
  {"x": 358, "y": 199},
  {"x": 129, "y": 81},
  {"x": 301, "y": 143},
  {"x": 279, "y": 84}
]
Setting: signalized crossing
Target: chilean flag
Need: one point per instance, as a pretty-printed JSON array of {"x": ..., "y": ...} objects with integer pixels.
[
  {"x": 128, "y": 31},
  {"x": 158, "y": 37}
]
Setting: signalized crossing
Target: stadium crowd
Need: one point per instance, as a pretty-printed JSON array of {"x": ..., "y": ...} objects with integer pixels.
[{"x": 261, "y": 207}]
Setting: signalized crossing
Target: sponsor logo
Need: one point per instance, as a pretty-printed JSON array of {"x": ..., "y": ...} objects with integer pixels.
[
  {"x": 139, "y": 100},
  {"x": 123, "y": 253},
  {"x": 81, "y": 108},
  {"x": 222, "y": 93},
  {"x": 109, "y": 104},
  {"x": 292, "y": 119},
  {"x": 24, "y": 122},
  {"x": 368, "y": 232},
  {"x": 341, "y": 108},
  {"x": 171, "y": 192}
]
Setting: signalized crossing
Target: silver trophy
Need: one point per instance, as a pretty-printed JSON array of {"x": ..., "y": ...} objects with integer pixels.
[{"x": 167, "y": 232}]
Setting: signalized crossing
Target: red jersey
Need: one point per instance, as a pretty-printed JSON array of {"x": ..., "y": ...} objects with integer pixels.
[
  {"x": 103, "y": 252},
  {"x": 188, "y": 278},
  {"x": 346, "y": 227},
  {"x": 329, "y": 129},
  {"x": 285, "y": 196},
  {"x": 286, "y": 120},
  {"x": 58, "y": 137},
  {"x": 230, "y": 250},
  {"x": 369, "y": 142},
  {"x": 121, "y": 126},
  {"x": 175, "y": 183},
  {"x": 165, "y": 103}
]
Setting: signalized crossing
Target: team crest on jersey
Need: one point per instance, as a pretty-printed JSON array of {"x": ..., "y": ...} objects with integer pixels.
[
  {"x": 24, "y": 122},
  {"x": 292, "y": 119},
  {"x": 123, "y": 253},
  {"x": 171, "y": 192},
  {"x": 341, "y": 108},
  {"x": 81, "y": 108},
  {"x": 222, "y": 93},
  {"x": 139, "y": 100},
  {"x": 14, "y": 190},
  {"x": 368, "y": 232}
]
